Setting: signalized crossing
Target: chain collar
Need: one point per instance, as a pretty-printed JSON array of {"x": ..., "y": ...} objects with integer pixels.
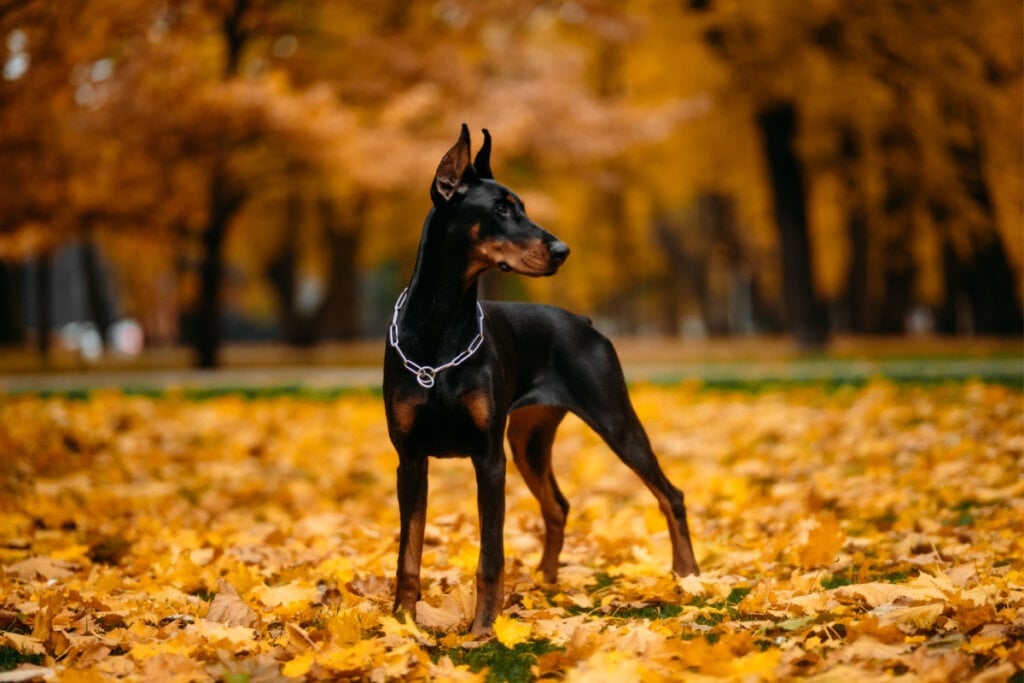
[{"x": 424, "y": 373}]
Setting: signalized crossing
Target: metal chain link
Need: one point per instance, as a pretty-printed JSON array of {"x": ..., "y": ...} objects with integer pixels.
[{"x": 425, "y": 374}]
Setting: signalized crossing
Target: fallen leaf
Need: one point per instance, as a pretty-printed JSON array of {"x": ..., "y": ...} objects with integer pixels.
[
  {"x": 869, "y": 648},
  {"x": 819, "y": 542},
  {"x": 916, "y": 617},
  {"x": 842, "y": 535},
  {"x": 288, "y": 598},
  {"x": 228, "y": 607},
  {"x": 879, "y": 593},
  {"x": 46, "y": 568},
  {"x": 437, "y": 617},
  {"x": 510, "y": 632},
  {"x": 27, "y": 672}
]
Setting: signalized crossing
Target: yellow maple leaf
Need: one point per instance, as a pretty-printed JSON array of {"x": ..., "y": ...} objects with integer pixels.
[
  {"x": 824, "y": 540},
  {"x": 289, "y": 598},
  {"x": 878, "y": 593},
  {"x": 338, "y": 568},
  {"x": 71, "y": 552},
  {"x": 610, "y": 667},
  {"x": 404, "y": 629},
  {"x": 914, "y": 616},
  {"x": 436, "y": 617},
  {"x": 446, "y": 670},
  {"x": 298, "y": 667},
  {"x": 228, "y": 608},
  {"x": 982, "y": 644},
  {"x": 234, "y": 636},
  {"x": 177, "y": 646},
  {"x": 345, "y": 626},
  {"x": 511, "y": 632},
  {"x": 758, "y": 665}
]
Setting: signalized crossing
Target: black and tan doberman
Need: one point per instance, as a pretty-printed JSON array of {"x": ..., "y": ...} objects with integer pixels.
[{"x": 457, "y": 369}]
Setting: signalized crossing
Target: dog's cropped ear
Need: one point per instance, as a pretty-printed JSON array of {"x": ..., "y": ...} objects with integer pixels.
[
  {"x": 453, "y": 171},
  {"x": 482, "y": 163}
]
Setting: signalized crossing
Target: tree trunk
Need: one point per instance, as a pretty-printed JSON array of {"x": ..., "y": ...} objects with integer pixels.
[
  {"x": 902, "y": 165},
  {"x": 12, "y": 314},
  {"x": 806, "y": 315},
  {"x": 997, "y": 309},
  {"x": 226, "y": 198},
  {"x": 855, "y": 310},
  {"x": 623, "y": 303},
  {"x": 97, "y": 302},
  {"x": 235, "y": 36},
  {"x": 44, "y": 303},
  {"x": 296, "y": 329},
  {"x": 666, "y": 232},
  {"x": 225, "y": 201},
  {"x": 981, "y": 290},
  {"x": 207, "y": 322},
  {"x": 900, "y": 273},
  {"x": 856, "y": 301},
  {"x": 340, "y": 317}
]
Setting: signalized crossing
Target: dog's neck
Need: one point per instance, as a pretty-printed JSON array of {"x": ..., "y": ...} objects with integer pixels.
[{"x": 440, "y": 314}]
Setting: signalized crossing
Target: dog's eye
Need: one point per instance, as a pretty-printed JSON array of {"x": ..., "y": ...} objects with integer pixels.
[{"x": 501, "y": 209}]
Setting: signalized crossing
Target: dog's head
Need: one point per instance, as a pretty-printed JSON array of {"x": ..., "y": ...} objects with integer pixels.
[{"x": 493, "y": 218}]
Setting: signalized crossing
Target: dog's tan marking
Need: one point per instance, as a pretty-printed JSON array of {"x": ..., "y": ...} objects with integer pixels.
[
  {"x": 404, "y": 412},
  {"x": 478, "y": 405},
  {"x": 683, "y": 561},
  {"x": 414, "y": 553}
]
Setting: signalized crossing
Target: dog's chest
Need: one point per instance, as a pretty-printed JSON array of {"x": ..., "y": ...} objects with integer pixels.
[{"x": 445, "y": 424}]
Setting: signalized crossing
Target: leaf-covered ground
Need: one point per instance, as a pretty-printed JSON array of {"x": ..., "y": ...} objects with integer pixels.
[{"x": 850, "y": 534}]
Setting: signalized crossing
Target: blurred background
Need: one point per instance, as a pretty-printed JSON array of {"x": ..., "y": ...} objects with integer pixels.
[{"x": 195, "y": 174}]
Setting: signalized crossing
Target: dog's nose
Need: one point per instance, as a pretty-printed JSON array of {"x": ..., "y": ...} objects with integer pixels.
[{"x": 559, "y": 250}]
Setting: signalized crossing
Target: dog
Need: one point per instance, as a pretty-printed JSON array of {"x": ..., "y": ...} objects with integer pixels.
[{"x": 457, "y": 371}]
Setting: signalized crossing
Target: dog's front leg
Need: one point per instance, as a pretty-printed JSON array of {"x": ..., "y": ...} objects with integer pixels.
[
  {"x": 412, "y": 509},
  {"x": 490, "y": 586}
]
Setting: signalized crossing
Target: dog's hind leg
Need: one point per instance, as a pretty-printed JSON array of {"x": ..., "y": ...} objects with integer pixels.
[
  {"x": 531, "y": 431},
  {"x": 602, "y": 401},
  {"x": 630, "y": 443}
]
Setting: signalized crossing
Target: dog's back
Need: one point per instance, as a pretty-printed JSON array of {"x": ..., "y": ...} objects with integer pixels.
[{"x": 553, "y": 356}]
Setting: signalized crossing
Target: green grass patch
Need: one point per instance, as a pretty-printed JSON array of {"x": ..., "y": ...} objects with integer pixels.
[
  {"x": 849, "y": 577},
  {"x": 502, "y": 663},
  {"x": 11, "y": 657},
  {"x": 249, "y": 393},
  {"x": 601, "y": 580},
  {"x": 836, "y": 581},
  {"x": 657, "y": 610}
]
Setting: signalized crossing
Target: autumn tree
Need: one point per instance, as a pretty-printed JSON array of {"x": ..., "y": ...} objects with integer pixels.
[
  {"x": 56, "y": 76},
  {"x": 219, "y": 128},
  {"x": 228, "y": 28},
  {"x": 903, "y": 130},
  {"x": 415, "y": 72},
  {"x": 710, "y": 159}
]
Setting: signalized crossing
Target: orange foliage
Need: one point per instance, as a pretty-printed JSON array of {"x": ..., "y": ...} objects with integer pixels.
[{"x": 850, "y": 534}]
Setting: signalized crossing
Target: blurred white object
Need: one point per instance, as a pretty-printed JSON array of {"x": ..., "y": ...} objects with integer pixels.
[{"x": 126, "y": 336}]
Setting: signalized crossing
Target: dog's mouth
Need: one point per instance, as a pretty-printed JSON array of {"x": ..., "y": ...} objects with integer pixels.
[
  {"x": 538, "y": 259},
  {"x": 531, "y": 264}
]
